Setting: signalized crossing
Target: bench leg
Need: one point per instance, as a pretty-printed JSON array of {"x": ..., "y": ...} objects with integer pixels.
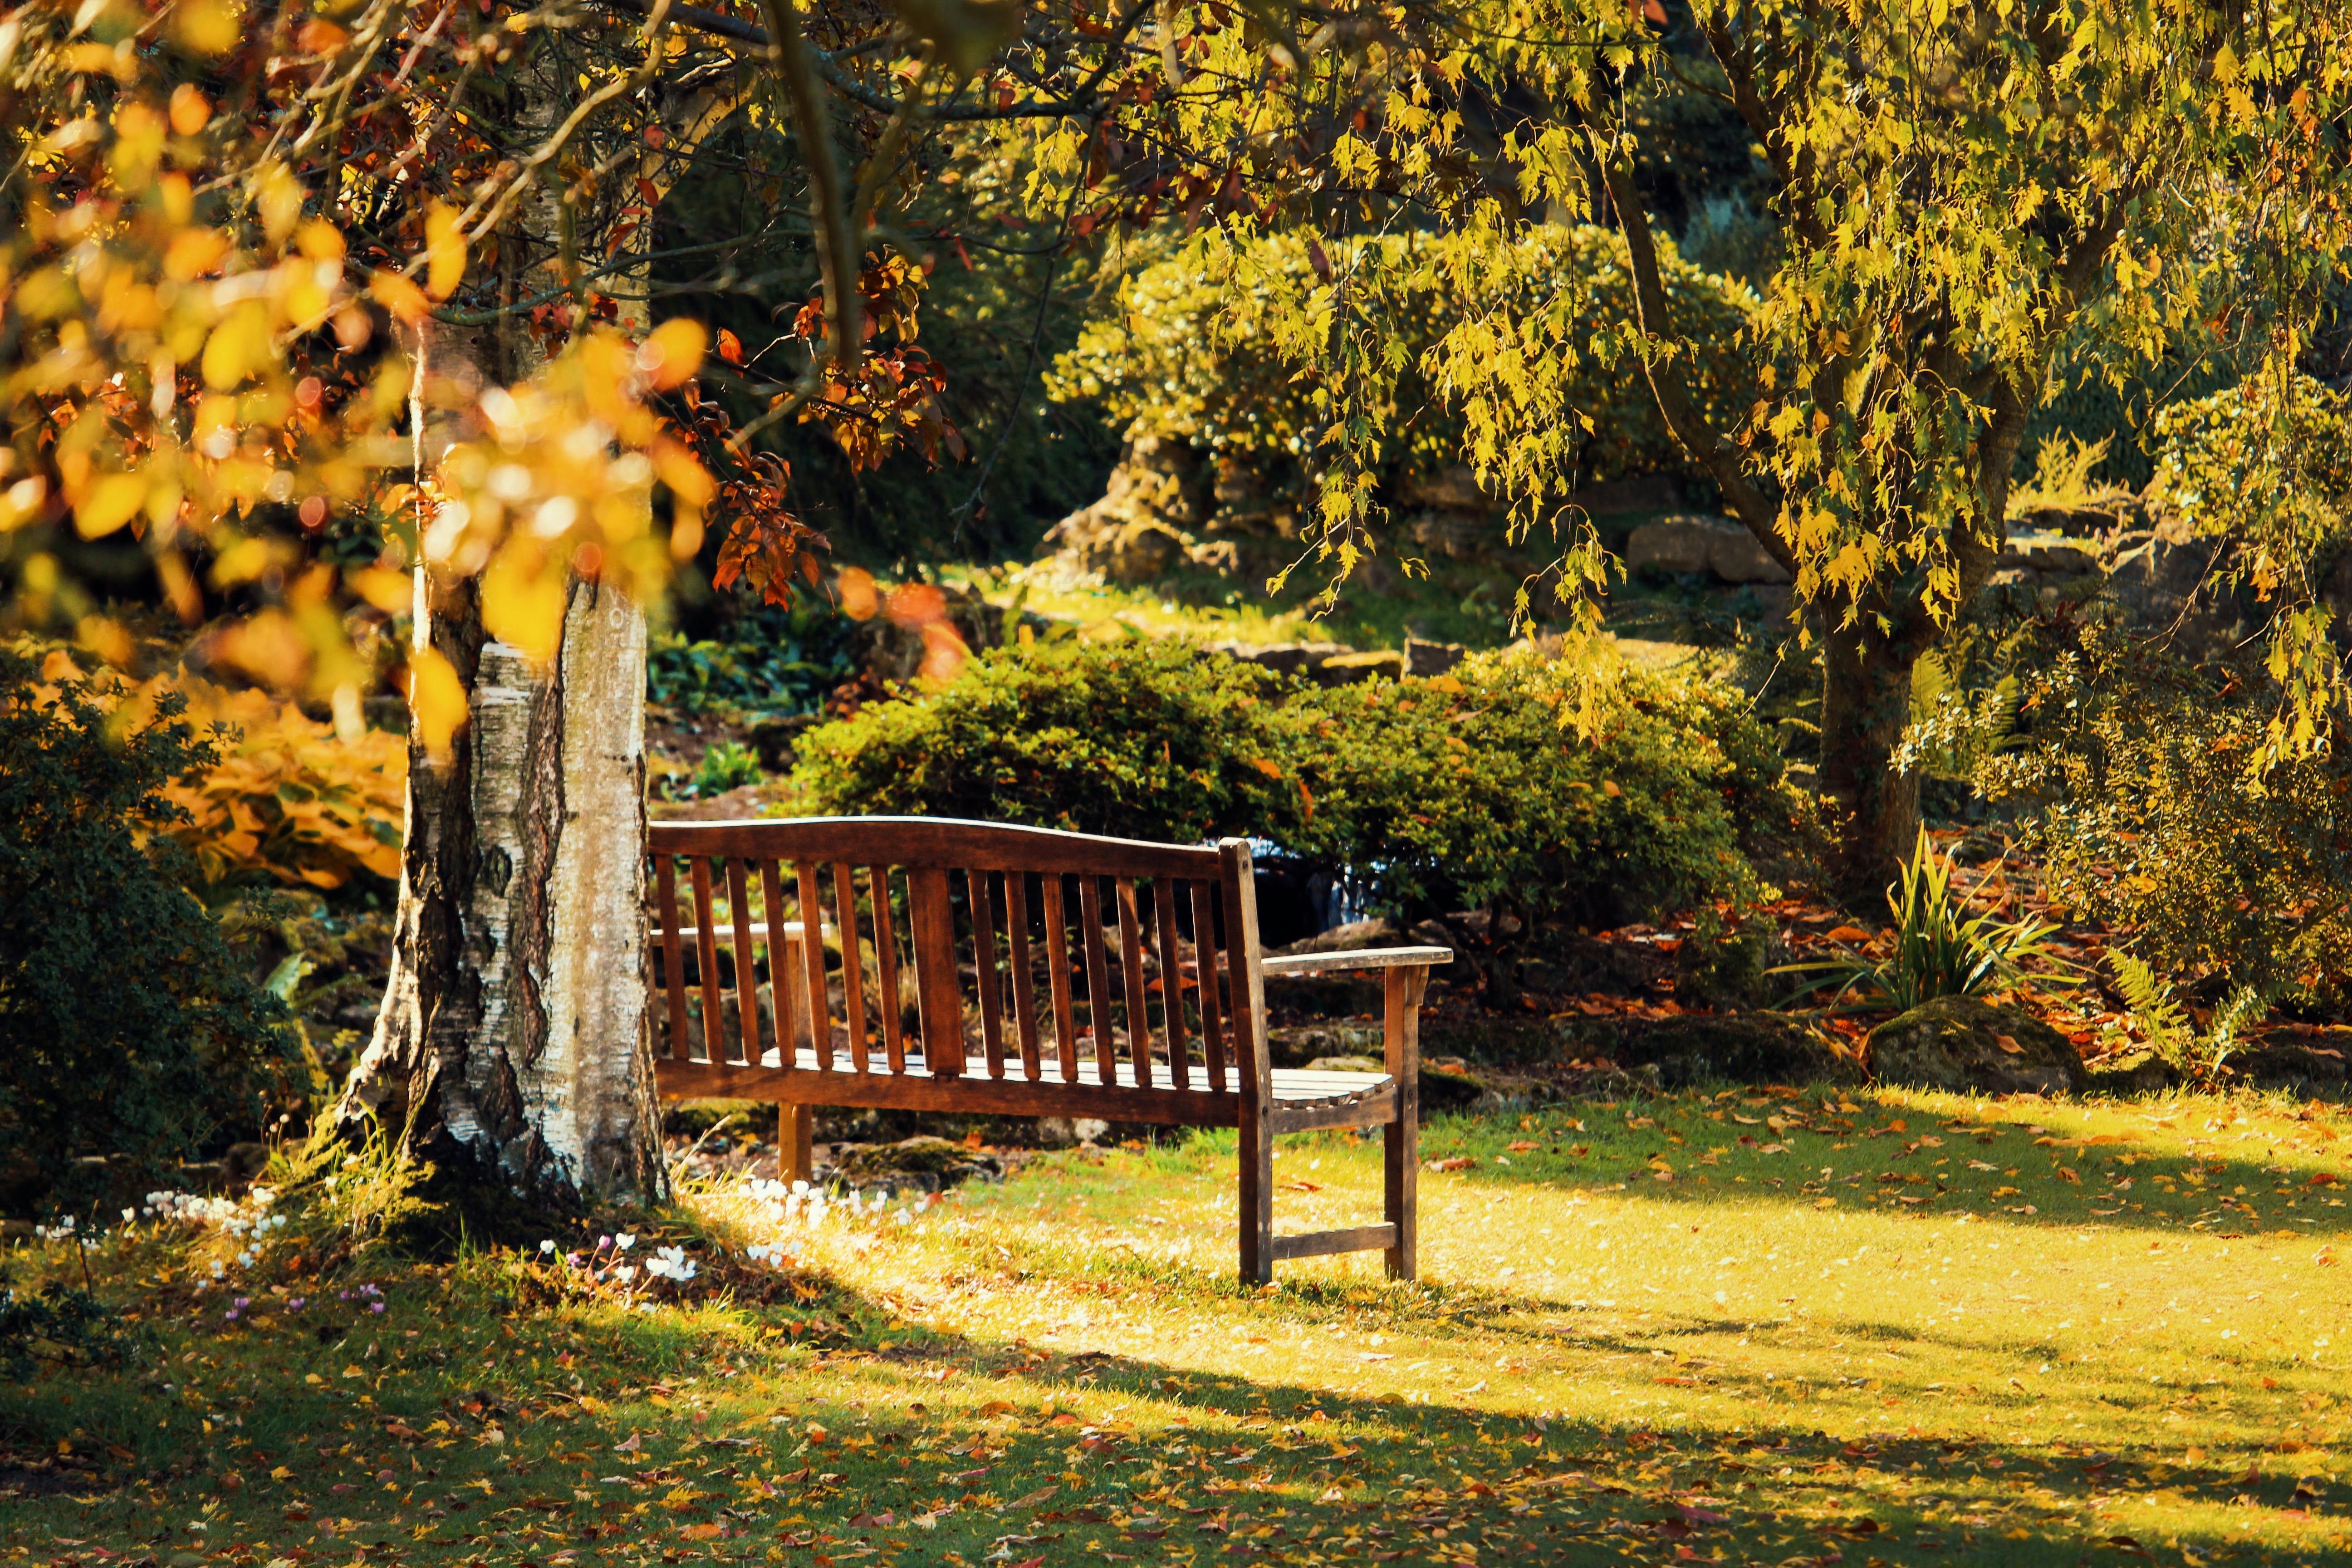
[
  {"x": 1400, "y": 1139},
  {"x": 1257, "y": 1195},
  {"x": 795, "y": 1131}
]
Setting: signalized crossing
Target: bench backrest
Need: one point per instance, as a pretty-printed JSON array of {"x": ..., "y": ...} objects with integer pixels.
[{"x": 941, "y": 928}]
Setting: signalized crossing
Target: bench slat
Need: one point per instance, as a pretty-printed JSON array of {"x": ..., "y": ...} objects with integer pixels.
[
  {"x": 673, "y": 956},
  {"x": 1205, "y": 972},
  {"x": 886, "y": 969},
  {"x": 853, "y": 960},
  {"x": 983, "y": 958},
  {"x": 714, "y": 1031},
  {"x": 1053, "y": 890},
  {"x": 747, "y": 967},
  {"x": 1130, "y": 971},
  {"x": 781, "y": 983},
  {"x": 1025, "y": 986},
  {"x": 932, "y": 916},
  {"x": 1171, "y": 969},
  {"x": 1090, "y": 944}
]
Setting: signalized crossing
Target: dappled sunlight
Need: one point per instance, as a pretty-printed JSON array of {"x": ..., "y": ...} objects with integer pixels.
[{"x": 1063, "y": 1367}]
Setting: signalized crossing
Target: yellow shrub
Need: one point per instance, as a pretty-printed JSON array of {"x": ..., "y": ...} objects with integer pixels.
[{"x": 289, "y": 797}]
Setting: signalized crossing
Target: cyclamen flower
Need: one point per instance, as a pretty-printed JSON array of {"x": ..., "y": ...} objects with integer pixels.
[{"x": 624, "y": 1241}]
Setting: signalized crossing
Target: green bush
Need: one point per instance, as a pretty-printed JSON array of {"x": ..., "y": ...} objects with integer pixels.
[
  {"x": 1163, "y": 368},
  {"x": 2153, "y": 819},
  {"x": 2266, "y": 461},
  {"x": 1467, "y": 790},
  {"x": 127, "y": 1028}
]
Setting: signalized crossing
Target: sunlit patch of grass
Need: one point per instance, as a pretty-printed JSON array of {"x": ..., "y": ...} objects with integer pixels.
[{"x": 1748, "y": 1326}]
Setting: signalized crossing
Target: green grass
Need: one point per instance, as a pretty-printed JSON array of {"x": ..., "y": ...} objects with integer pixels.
[{"x": 1897, "y": 1329}]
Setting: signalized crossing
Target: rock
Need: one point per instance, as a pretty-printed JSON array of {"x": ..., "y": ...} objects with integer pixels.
[
  {"x": 1138, "y": 530},
  {"x": 1296, "y": 1044},
  {"x": 1143, "y": 552},
  {"x": 925, "y": 1163},
  {"x": 1347, "y": 668},
  {"x": 1347, "y": 938},
  {"x": 2300, "y": 1065},
  {"x": 1962, "y": 1043},
  {"x": 1640, "y": 492},
  {"x": 2142, "y": 1072},
  {"x": 1452, "y": 488},
  {"x": 1677, "y": 545},
  {"x": 1428, "y": 658},
  {"x": 2160, "y": 582},
  {"x": 1731, "y": 1047},
  {"x": 1300, "y": 658},
  {"x": 1734, "y": 556},
  {"x": 2047, "y": 552},
  {"x": 1457, "y": 535},
  {"x": 1672, "y": 546}
]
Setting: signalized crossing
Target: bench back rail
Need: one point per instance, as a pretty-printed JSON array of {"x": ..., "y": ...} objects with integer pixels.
[{"x": 954, "y": 950}]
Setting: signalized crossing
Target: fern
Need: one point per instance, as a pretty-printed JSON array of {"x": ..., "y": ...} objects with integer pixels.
[
  {"x": 2152, "y": 1004},
  {"x": 2169, "y": 1030}
]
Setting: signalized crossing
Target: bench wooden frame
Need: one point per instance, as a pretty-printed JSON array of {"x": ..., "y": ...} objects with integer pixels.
[{"x": 963, "y": 893}]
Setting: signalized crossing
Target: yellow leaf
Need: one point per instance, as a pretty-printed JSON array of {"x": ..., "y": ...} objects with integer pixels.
[
  {"x": 238, "y": 347},
  {"x": 205, "y": 26},
  {"x": 445, "y": 251},
  {"x": 522, "y": 604},
  {"x": 388, "y": 591},
  {"x": 400, "y": 296},
  {"x": 436, "y": 698},
  {"x": 671, "y": 353},
  {"x": 114, "y": 500}
]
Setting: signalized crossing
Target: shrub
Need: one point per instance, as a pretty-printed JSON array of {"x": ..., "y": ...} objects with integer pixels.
[
  {"x": 2267, "y": 461},
  {"x": 287, "y": 799},
  {"x": 129, "y": 1028},
  {"x": 2154, "y": 820},
  {"x": 1162, "y": 367},
  {"x": 1470, "y": 788},
  {"x": 1136, "y": 739}
]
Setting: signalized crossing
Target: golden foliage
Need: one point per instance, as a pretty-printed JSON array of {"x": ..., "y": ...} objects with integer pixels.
[{"x": 289, "y": 798}]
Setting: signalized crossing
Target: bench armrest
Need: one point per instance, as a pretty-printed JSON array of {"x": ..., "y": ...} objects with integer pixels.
[{"x": 1370, "y": 958}]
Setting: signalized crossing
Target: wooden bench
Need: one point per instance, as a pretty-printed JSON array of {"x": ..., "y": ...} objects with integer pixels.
[{"x": 983, "y": 968}]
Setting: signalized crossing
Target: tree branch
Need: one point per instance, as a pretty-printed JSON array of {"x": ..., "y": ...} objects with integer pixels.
[
  {"x": 1722, "y": 458},
  {"x": 837, "y": 249}
]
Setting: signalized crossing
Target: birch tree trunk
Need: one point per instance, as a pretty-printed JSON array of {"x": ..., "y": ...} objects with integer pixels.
[{"x": 510, "y": 1051}]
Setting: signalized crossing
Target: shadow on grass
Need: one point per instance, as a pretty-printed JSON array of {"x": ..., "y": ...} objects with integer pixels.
[
  {"x": 2014, "y": 1172},
  {"x": 952, "y": 1449}
]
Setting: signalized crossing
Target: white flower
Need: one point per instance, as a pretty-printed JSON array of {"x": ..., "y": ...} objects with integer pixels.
[
  {"x": 625, "y": 1241},
  {"x": 625, "y": 1272},
  {"x": 547, "y": 1247}
]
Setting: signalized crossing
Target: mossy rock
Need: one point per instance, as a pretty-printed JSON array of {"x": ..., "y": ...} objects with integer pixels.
[
  {"x": 1728, "y": 1047},
  {"x": 2141, "y": 1072},
  {"x": 1964, "y": 1044},
  {"x": 927, "y": 1163}
]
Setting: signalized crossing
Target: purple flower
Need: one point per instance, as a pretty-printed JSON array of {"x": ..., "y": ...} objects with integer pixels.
[{"x": 375, "y": 1306}]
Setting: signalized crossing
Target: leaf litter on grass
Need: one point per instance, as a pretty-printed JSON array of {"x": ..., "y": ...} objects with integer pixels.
[{"x": 1745, "y": 1326}]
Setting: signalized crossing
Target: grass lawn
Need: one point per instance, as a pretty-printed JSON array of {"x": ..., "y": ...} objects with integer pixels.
[{"x": 1749, "y": 1327}]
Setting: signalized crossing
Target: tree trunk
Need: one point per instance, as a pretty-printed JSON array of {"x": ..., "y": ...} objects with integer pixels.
[
  {"x": 1866, "y": 705},
  {"x": 510, "y": 1051}
]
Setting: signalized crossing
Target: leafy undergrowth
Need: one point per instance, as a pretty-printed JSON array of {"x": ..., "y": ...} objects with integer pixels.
[{"x": 1765, "y": 1328}]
